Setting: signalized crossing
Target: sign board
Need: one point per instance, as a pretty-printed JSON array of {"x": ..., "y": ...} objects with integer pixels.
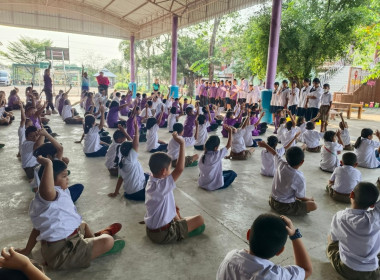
[
  {"x": 355, "y": 78},
  {"x": 52, "y": 53},
  {"x": 44, "y": 65}
]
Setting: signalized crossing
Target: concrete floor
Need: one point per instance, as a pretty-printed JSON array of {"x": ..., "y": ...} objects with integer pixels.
[{"x": 228, "y": 213}]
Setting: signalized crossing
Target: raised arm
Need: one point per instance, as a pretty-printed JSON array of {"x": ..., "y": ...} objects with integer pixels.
[
  {"x": 259, "y": 120},
  {"x": 262, "y": 144},
  {"x": 122, "y": 129},
  {"x": 196, "y": 129},
  {"x": 294, "y": 139},
  {"x": 67, "y": 92},
  {"x": 55, "y": 143},
  {"x": 40, "y": 139},
  {"x": 209, "y": 114},
  {"x": 161, "y": 115},
  {"x": 316, "y": 117},
  {"x": 181, "y": 158},
  {"x": 135, "y": 143},
  {"x": 338, "y": 135},
  {"x": 101, "y": 125},
  {"x": 23, "y": 117},
  {"x": 341, "y": 117},
  {"x": 292, "y": 118},
  {"x": 229, "y": 140},
  {"x": 46, "y": 189}
]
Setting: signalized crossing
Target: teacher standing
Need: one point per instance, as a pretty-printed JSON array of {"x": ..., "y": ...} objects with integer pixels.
[
  {"x": 103, "y": 82},
  {"x": 48, "y": 89}
]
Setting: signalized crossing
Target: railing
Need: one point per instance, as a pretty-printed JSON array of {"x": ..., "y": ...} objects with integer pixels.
[{"x": 332, "y": 70}]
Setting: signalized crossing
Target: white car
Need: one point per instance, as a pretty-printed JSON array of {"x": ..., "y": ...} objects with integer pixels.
[{"x": 5, "y": 78}]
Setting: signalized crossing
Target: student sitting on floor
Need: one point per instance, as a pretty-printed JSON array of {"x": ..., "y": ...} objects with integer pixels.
[
  {"x": 162, "y": 219},
  {"x": 290, "y": 132},
  {"x": 344, "y": 179},
  {"x": 119, "y": 136},
  {"x": 69, "y": 114},
  {"x": 113, "y": 118},
  {"x": 172, "y": 118},
  {"x": 208, "y": 112},
  {"x": 201, "y": 139},
  {"x": 353, "y": 246},
  {"x": 173, "y": 146},
  {"x": 211, "y": 174},
  {"x": 268, "y": 166},
  {"x": 131, "y": 126},
  {"x": 153, "y": 144},
  {"x": 289, "y": 186},
  {"x": 24, "y": 124},
  {"x": 247, "y": 134},
  {"x": 345, "y": 134},
  {"x": 267, "y": 238},
  {"x": 238, "y": 149},
  {"x": 131, "y": 171},
  {"x": 365, "y": 147},
  {"x": 33, "y": 139},
  {"x": 66, "y": 241},
  {"x": 281, "y": 130},
  {"x": 311, "y": 138},
  {"x": 229, "y": 120},
  {"x": 330, "y": 151},
  {"x": 93, "y": 147},
  {"x": 191, "y": 116}
]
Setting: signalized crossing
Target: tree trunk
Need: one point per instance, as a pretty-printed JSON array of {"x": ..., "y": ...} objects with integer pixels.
[
  {"x": 190, "y": 82},
  {"x": 211, "y": 48},
  {"x": 148, "y": 53}
]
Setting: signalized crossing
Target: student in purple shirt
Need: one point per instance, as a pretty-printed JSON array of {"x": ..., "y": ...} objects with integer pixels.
[
  {"x": 13, "y": 100},
  {"x": 213, "y": 93},
  {"x": 113, "y": 114},
  {"x": 189, "y": 124},
  {"x": 125, "y": 110}
]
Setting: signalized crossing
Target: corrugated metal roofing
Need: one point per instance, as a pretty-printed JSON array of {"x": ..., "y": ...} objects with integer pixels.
[{"x": 114, "y": 18}]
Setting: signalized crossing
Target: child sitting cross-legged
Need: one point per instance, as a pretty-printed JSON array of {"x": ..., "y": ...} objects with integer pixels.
[
  {"x": 311, "y": 138},
  {"x": 163, "y": 221},
  {"x": 353, "y": 246},
  {"x": 289, "y": 186},
  {"x": 267, "y": 238},
  {"x": 66, "y": 241},
  {"x": 344, "y": 178},
  {"x": 330, "y": 151}
]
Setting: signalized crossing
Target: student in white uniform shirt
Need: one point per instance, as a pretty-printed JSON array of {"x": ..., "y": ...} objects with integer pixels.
[
  {"x": 293, "y": 96},
  {"x": 247, "y": 134},
  {"x": 173, "y": 146},
  {"x": 344, "y": 179},
  {"x": 267, "y": 238},
  {"x": 24, "y": 124},
  {"x": 282, "y": 95},
  {"x": 288, "y": 195},
  {"x": 330, "y": 151},
  {"x": 354, "y": 244},
  {"x": 93, "y": 147},
  {"x": 66, "y": 241},
  {"x": 153, "y": 144},
  {"x": 211, "y": 174},
  {"x": 147, "y": 111},
  {"x": 163, "y": 221},
  {"x": 238, "y": 149},
  {"x": 69, "y": 114},
  {"x": 301, "y": 108},
  {"x": 311, "y": 138},
  {"x": 367, "y": 150},
  {"x": 253, "y": 95},
  {"x": 203, "y": 122},
  {"x": 274, "y": 99},
  {"x": 345, "y": 134},
  {"x": 131, "y": 173},
  {"x": 33, "y": 140},
  {"x": 173, "y": 118},
  {"x": 290, "y": 132},
  {"x": 313, "y": 100}
]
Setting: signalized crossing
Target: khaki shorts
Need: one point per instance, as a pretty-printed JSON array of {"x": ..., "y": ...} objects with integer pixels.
[
  {"x": 338, "y": 196},
  {"x": 188, "y": 161},
  {"x": 324, "y": 111},
  {"x": 72, "y": 252},
  {"x": 244, "y": 155},
  {"x": 176, "y": 232},
  {"x": 314, "y": 150},
  {"x": 344, "y": 270},
  {"x": 296, "y": 208}
]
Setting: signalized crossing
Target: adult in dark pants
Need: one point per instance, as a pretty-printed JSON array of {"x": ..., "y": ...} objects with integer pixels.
[
  {"x": 103, "y": 82},
  {"x": 48, "y": 89}
]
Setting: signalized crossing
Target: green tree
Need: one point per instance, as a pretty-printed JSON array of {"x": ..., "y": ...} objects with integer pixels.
[{"x": 27, "y": 51}]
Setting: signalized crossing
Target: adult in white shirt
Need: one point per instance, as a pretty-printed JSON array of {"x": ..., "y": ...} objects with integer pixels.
[
  {"x": 313, "y": 100},
  {"x": 301, "y": 109}
]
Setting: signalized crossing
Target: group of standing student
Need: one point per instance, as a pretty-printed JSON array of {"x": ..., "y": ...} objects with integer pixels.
[{"x": 73, "y": 245}]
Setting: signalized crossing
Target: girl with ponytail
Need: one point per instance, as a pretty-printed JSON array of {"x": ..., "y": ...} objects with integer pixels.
[
  {"x": 131, "y": 171},
  {"x": 211, "y": 174},
  {"x": 365, "y": 147},
  {"x": 112, "y": 156}
]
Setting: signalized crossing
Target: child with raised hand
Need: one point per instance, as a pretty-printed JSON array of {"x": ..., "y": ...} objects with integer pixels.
[
  {"x": 131, "y": 172},
  {"x": 69, "y": 114},
  {"x": 113, "y": 114},
  {"x": 247, "y": 135},
  {"x": 211, "y": 175},
  {"x": 66, "y": 241},
  {"x": 290, "y": 131},
  {"x": 353, "y": 248},
  {"x": 330, "y": 151},
  {"x": 163, "y": 221},
  {"x": 267, "y": 239},
  {"x": 344, "y": 179},
  {"x": 173, "y": 146},
  {"x": 229, "y": 120},
  {"x": 365, "y": 147},
  {"x": 289, "y": 187},
  {"x": 191, "y": 116},
  {"x": 238, "y": 149},
  {"x": 112, "y": 156},
  {"x": 345, "y": 134},
  {"x": 93, "y": 147},
  {"x": 311, "y": 138},
  {"x": 208, "y": 112},
  {"x": 24, "y": 124},
  {"x": 172, "y": 118},
  {"x": 268, "y": 166},
  {"x": 153, "y": 144},
  {"x": 202, "y": 123}
]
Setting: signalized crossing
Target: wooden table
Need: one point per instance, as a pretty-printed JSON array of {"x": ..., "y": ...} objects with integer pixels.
[{"x": 349, "y": 107}]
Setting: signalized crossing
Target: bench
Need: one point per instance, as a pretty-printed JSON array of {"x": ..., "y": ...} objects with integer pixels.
[{"x": 348, "y": 108}]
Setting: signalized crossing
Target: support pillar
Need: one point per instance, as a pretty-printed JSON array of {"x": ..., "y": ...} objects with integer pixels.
[
  {"x": 174, "y": 87},
  {"x": 274, "y": 38},
  {"x": 132, "y": 85}
]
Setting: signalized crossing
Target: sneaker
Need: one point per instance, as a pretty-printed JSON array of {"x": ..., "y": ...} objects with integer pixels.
[
  {"x": 118, "y": 245},
  {"x": 54, "y": 112},
  {"x": 111, "y": 230}
]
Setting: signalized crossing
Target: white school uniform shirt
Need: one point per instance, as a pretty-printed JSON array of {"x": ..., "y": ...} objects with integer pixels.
[
  {"x": 219, "y": 111},
  {"x": 288, "y": 183},
  {"x": 345, "y": 135},
  {"x": 284, "y": 92},
  {"x": 132, "y": 173},
  {"x": 315, "y": 103},
  {"x": 345, "y": 178},
  {"x": 274, "y": 100},
  {"x": 56, "y": 219},
  {"x": 302, "y": 96},
  {"x": 311, "y": 138},
  {"x": 210, "y": 171},
  {"x": 27, "y": 158},
  {"x": 293, "y": 99},
  {"x": 92, "y": 140},
  {"x": 237, "y": 109},
  {"x": 280, "y": 132},
  {"x": 57, "y": 100},
  {"x": 152, "y": 138},
  {"x": 143, "y": 113},
  {"x": 326, "y": 98},
  {"x": 366, "y": 153},
  {"x": 111, "y": 155},
  {"x": 172, "y": 119},
  {"x": 159, "y": 202},
  {"x": 66, "y": 112},
  {"x": 2, "y": 111},
  {"x": 173, "y": 146},
  {"x": 247, "y": 135},
  {"x": 301, "y": 128},
  {"x": 240, "y": 265},
  {"x": 358, "y": 233},
  {"x": 202, "y": 134},
  {"x": 238, "y": 143},
  {"x": 156, "y": 103},
  {"x": 329, "y": 159},
  {"x": 21, "y": 137},
  {"x": 268, "y": 168},
  {"x": 288, "y": 136}
]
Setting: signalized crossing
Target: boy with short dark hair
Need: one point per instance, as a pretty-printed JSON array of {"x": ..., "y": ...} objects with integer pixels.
[
  {"x": 345, "y": 178},
  {"x": 289, "y": 186},
  {"x": 267, "y": 238},
  {"x": 354, "y": 244},
  {"x": 163, "y": 222}
]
